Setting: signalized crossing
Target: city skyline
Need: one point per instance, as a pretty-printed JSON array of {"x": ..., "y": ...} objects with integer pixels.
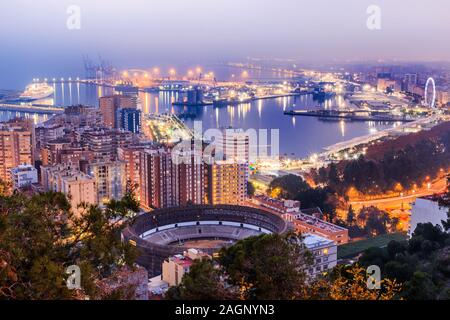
[
  {"x": 255, "y": 150},
  {"x": 182, "y": 33}
]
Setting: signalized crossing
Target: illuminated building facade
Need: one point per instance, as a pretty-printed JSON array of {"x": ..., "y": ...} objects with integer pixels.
[
  {"x": 110, "y": 179},
  {"x": 78, "y": 186},
  {"x": 110, "y": 104},
  {"x": 156, "y": 189},
  {"x": 16, "y": 145},
  {"x": 324, "y": 253},
  {"x": 227, "y": 182},
  {"x": 168, "y": 184}
]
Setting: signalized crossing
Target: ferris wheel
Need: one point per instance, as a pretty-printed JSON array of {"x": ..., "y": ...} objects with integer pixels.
[{"x": 430, "y": 97}]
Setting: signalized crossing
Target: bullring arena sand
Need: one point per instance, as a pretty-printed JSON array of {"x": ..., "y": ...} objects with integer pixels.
[{"x": 202, "y": 243}]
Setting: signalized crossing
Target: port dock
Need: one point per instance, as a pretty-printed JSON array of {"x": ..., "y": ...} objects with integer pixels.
[
  {"x": 38, "y": 109},
  {"x": 351, "y": 115}
]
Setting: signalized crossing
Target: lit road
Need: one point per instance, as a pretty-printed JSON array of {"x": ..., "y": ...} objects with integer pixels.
[{"x": 437, "y": 186}]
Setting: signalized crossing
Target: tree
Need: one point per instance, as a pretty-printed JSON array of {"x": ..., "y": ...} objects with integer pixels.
[
  {"x": 350, "y": 283},
  {"x": 324, "y": 198},
  {"x": 376, "y": 221},
  {"x": 202, "y": 282},
  {"x": 334, "y": 180},
  {"x": 8, "y": 276},
  {"x": 350, "y": 216},
  {"x": 40, "y": 237},
  {"x": 269, "y": 266},
  {"x": 250, "y": 188},
  {"x": 446, "y": 223},
  {"x": 5, "y": 188},
  {"x": 420, "y": 264},
  {"x": 420, "y": 287},
  {"x": 322, "y": 176},
  {"x": 289, "y": 185},
  {"x": 364, "y": 175}
]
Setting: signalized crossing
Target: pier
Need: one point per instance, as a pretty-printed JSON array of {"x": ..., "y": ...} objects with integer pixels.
[
  {"x": 349, "y": 115},
  {"x": 31, "y": 108}
]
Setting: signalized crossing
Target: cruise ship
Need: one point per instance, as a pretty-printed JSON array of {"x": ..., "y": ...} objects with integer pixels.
[{"x": 36, "y": 91}]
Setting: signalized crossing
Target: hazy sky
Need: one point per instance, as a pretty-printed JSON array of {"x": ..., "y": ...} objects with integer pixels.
[{"x": 35, "y": 41}]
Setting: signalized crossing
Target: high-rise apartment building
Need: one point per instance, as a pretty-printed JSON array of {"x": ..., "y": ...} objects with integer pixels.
[
  {"x": 189, "y": 179},
  {"x": 104, "y": 142},
  {"x": 51, "y": 152},
  {"x": 46, "y": 133},
  {"x": 235, "y": 145},
  {"x": 129, "y": 119},
  {"x": 109, "y": 105},
  {"x": 130, "y": 155},
  {"x": 410, "y": 81},
  {"x": 156, "y": 189},
  {"x": 165, "y": 183},
  {"x": 16, "y": 145},
  {"x": 227, "y": 182},
  {"x": 110, "y": 179}
]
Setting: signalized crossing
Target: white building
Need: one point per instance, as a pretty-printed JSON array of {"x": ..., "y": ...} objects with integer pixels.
[
  {"x": 324, "y": 252},
  {"x": 24, "y": 175},
  {"x": 426, "y": 210}
]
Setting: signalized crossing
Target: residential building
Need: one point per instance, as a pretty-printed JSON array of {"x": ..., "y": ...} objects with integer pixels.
[
  {"x": 189, "y": 179},
  {"x": 281, "y": 206},
  {"x": 131, "y": 155},
  {"x": 104, "y": 142},
  {"x": 305, "y": 223},
  {"x": 110, "y": 179},
  {"x": 174, "y": 268},
  {"x": 167, "y": 184},
  {"x": 324, "y": 252},
  {"x": 226, "y": 182},
  {"x": 16, "y": 145},
  {"x": 23, "y": 176},
  {"x": 51, "y": 151},
  {"x": 46, "y": 133},
  {"x": 304, "y": 220},
  {"x": 156, "y": 189},
  {"x": 234, "y": 145},
  {"x": 129, "y": 119},
  {"x": 410, "y": 81},
  {"x": 78, "y": 186},
  {"x": 75, "y": 155},
  {"x": 110, "y": 104}
]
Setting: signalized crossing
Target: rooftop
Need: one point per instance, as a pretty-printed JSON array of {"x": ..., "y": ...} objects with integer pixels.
[
  {"x": 23, "y": 168},
  {"x": 277, "y": 202},
  {"x": 313, "y": 221},
  {"x": 313, "y": 241}
]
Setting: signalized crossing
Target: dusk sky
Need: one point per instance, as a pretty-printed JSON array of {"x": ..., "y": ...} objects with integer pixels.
[{"x": 35, "y": 41}]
